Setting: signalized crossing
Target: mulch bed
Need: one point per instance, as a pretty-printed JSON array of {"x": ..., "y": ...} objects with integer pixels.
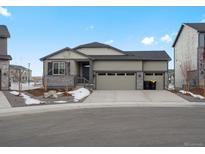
[{"x": 41, "y": 91}]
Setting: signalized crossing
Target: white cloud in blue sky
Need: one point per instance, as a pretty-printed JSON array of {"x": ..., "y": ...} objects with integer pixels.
[
  {"x": 4, "y": 12},
  {"x": 149, "y": 40},
  {"x": 91, "y": 27},
  {"x": 109, "y": 42},
  {"x": 166, "y": 38}
]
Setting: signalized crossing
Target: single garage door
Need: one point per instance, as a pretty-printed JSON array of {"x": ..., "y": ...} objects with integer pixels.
[
  {"x": 115, "y": 81},
  {"x": 155, "y": 77}
]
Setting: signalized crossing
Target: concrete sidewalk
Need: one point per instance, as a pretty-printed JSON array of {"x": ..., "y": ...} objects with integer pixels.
[
  {"x": 61, "y": 107},
  {"x": 4, "y": 103}
]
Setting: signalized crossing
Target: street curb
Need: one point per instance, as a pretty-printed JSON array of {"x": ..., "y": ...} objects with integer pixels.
[{"x": 73, "y": 106}]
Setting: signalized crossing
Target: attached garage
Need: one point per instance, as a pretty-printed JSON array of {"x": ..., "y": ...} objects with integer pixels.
[
  {"x": 154, "y": 81},
  {"x": 115, "y": 81}
]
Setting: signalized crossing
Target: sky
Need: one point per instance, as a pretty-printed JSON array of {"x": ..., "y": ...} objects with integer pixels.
[{"x": 38, "y": 31}]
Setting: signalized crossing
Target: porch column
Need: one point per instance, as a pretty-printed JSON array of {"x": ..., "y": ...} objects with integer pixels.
[{"x": 91, "y": 71}]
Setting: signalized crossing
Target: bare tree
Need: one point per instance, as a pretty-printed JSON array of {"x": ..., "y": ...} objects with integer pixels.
[
  {"x": 18, "y": 76},
  {"x": 185, "y": 68}
]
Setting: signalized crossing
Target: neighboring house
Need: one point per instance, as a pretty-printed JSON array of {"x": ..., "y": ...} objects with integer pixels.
[
  {"x": 4, "y": 58},
  {"x": 171, "y": 76},
  {"x": 189, "y": 54},
  {"x": 106, "y": 68},
  {"x": 26, "y": 74}
]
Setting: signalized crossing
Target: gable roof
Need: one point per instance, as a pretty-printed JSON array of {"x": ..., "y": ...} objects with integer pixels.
[
  {"x": 4, "y": 33},
  {"x": 60, "y": 51},
  {"x": 150, "y": 55},
  {"x": 97, "y": 45},
  {"x": 19, "y": 67},
  {"x": 136, "y": 55},
  {"x": 199, "y": 27}
]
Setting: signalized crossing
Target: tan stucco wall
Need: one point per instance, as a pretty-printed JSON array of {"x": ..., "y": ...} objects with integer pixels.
[
  {"x": 185, "y": 51},
  {"x": 68, "y": 55},
  {"x": 117, "y": 65},
  {"x": 99, "y": 51},
  {"x": 155, "y": 66}
]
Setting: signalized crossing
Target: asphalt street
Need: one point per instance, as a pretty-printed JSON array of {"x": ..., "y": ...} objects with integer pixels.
[{"x": 125, "y": 126}]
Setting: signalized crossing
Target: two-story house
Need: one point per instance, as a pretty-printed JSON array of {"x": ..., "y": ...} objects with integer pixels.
[
  {"x": 189, "y": 55},
  {"x": 4, "y": 58}
]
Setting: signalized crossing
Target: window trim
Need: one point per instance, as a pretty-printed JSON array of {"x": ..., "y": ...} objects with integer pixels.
[{"x": 58, "y": 62}]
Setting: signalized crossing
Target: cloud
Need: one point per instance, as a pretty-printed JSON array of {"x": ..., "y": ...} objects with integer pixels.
[
  {"x": 166, "y": 38},
  {"x": 148, "y": 40},
  {"x": 109, "y": 42},
  {"x": 4, "y": 12},
  {"x": 203, "y": 20},
  {"x": 91, "y": 27}
]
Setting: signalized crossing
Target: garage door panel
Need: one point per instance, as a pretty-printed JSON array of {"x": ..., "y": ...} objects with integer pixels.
[{"x": 115, "y": 82}]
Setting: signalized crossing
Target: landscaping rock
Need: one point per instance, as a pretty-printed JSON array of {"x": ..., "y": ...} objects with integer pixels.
[{"x": 50, "y": 94}]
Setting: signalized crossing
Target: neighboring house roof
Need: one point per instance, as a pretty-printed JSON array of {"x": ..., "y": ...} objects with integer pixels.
[
  {"x": 18, "y": 67},
  {"x": 5, "y": 57},
  {"x": 97, "y": 45},
  {"x": 4, "y": 33},
  {"x": 199, "y": 27},
  {"x": 62, "y": 50},
  {"x": 136, "y": 55}
]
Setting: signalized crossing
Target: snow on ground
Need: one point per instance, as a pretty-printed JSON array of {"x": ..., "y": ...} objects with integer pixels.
[
  {"x": 79, "y": 94},
  {"x": 25, "y": 86},
  {"x": 14, "y": 93},
  {"x": 28, "y": 99},
  {"x": 60, "y": 101},
  {"x": 170, "y": 86},
  {"x": 190, "y": 93}
]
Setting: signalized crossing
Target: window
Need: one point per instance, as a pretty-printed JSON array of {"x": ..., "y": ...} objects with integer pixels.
[
  {"x": 58, "y": 68},
  {"x": 158, "y": 74},
  {"x": 101, "y": 73},
  {"x": 149, "y": 74},
  {"x": 111, "y": 74},
  {"x": 130, "y": 74},
  {"x": 121, "y": 74}
]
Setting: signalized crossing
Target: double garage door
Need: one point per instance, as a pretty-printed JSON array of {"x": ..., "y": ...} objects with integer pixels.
[
  {"x": 115, "y": 81},
  {"x": 126, "y": 81}
]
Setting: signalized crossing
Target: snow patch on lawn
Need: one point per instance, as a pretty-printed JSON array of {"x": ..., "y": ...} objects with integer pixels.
[
  {"x": 14, "y": 93},
  {"x": 28, "y": 99},
  {"x": 79, "y": 94},
  {"x": 190, "y": 93},
  {"x": 60, "y": 101}
]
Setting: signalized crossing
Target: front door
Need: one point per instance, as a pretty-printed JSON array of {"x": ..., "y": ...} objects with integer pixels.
[{"x": 85, "y": 71}]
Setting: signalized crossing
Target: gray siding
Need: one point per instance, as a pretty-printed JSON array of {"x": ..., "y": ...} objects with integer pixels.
[
  {"x": 185, "y": 51},
  {"x": 155, "y": 66},
  {"x": 99, "y": 51},
  {"x": 117, "y": 66}
]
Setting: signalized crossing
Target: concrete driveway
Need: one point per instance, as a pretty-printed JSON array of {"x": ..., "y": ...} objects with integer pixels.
[
  {"x": 115, "y": 96},
  {"x": 3, "y": 101}
]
